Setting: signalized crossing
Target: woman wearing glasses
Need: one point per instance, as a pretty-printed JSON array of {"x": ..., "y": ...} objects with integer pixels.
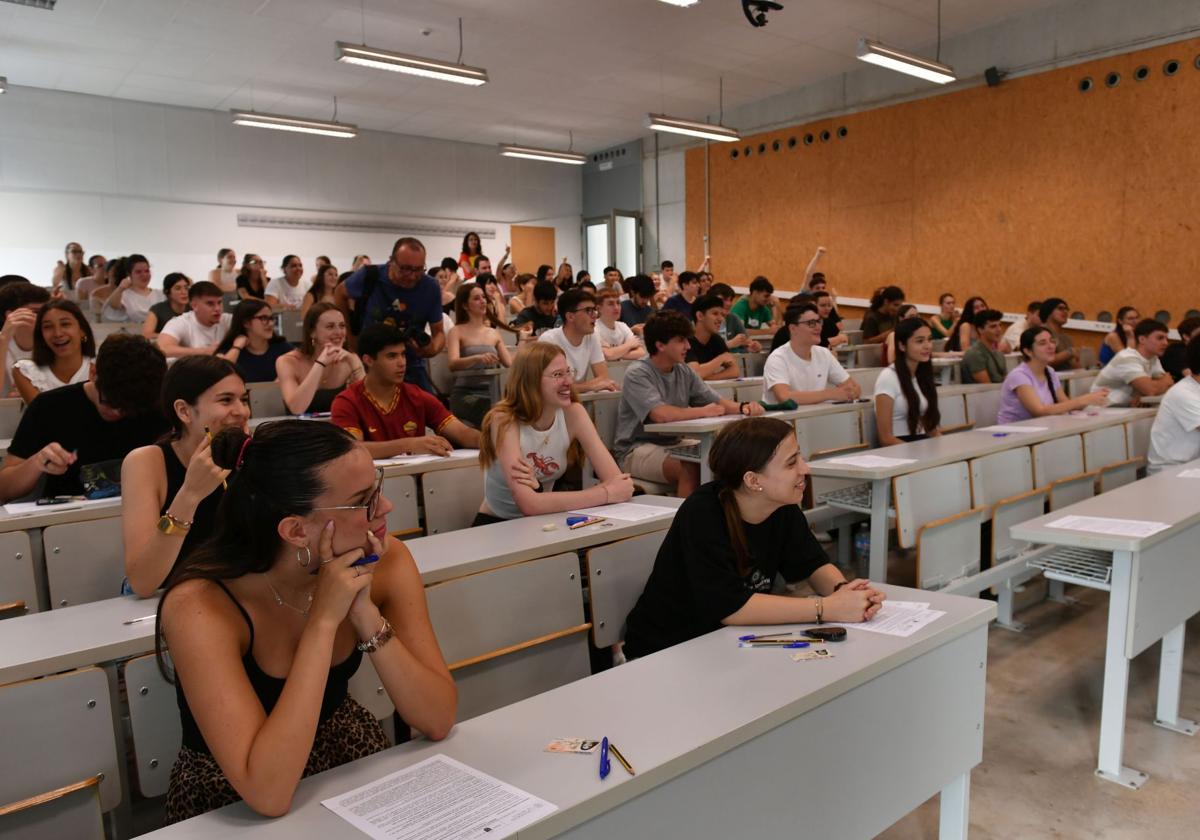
[
  {"x": 532, "y": 434},
  {"x": 269, "y": 620},
  {"x": 251, "y": 342}
]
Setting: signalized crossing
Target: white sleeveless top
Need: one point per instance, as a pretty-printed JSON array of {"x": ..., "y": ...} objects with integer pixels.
[
  {"x": 43, "y": 378},
  {"x": 546, "y": 453}
]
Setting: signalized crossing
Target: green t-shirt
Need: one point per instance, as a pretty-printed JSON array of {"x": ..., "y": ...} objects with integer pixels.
[
  {"x": 754, "y": 319},
  {"x": 980, "y": 357}
]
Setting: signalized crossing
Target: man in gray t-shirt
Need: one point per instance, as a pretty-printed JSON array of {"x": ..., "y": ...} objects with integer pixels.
[{"x": 663, "y": 389}]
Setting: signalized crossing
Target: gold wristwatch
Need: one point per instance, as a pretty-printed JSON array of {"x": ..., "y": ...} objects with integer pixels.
[{"x": 169, "y": 525}]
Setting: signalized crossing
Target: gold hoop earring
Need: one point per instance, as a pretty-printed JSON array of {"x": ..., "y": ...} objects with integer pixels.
[{"x": 307, "y": 558}]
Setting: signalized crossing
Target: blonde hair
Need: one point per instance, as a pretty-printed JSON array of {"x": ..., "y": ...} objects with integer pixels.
[{"x": 522, "y": 402}]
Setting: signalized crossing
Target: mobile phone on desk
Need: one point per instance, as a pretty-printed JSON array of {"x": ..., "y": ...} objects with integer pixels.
[
  {"x": 827, "y": 634},
  {"x": 57, "y": 500}
]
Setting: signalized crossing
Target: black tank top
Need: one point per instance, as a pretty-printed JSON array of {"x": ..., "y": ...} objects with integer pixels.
[
  {"x": 268, "y": 688},
  {"x": 204, "y": 520},
  {"x": 322, "y": 400}
]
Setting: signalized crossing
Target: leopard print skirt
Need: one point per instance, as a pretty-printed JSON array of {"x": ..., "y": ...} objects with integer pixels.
[{"x": 197, "y": 784}]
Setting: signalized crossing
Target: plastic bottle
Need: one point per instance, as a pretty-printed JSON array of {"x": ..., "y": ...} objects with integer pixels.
[{"x": 862, "y": 546}]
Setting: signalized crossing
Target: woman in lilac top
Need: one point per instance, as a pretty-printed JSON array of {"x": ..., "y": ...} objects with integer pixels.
[{"x": 1032, "y": 388}]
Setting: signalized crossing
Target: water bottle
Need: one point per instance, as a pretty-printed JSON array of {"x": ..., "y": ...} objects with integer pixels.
[{"x": 862, "y": 546}]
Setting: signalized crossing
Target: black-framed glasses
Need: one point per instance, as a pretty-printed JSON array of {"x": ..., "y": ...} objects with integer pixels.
[
  {"x": 371, "y": 505},
  {"x": 588, "y": 310},
  {"x": 810, "y": 322},
  {"x": 410, "y": 269}
]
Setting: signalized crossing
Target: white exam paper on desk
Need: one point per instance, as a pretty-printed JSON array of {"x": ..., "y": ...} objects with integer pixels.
[
  {"x": 26, "y": 508},
  {"x": 627, "y": 512},
  {"x": 408, "y": 460},
  {"x": 1016, "y": 429},
  {"x": 869, "y": 461},
  {"x": 898, "y": 618},
  {"x": 439, "y": 798},
  {"x": 1104, "y": 525},
  {"x": 1188, "y": 474}
]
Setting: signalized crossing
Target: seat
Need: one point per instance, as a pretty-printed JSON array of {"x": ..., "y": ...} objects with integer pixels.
[
  {"x": 934, "y": 515},
  {"x": 1088, "y": 359},
  {"x": 60, "y": 751},
  {"x": 982, "y": 407},
  {"x": 439, "y": 373},
  {"x": 825, "y": 435},
  {"x": 266, "y": 400},
  {"x": 1137, "y": 437},
  {"x": 85, "y": 561},
  {"x": 868, "y": 356},
  {"x": 865, "y": 377},
  {"x": 404, "y": 519},
  {"x": 1119, "y": 474},
  {"x": 1104, "y": 447},
  {"x": 954, "y": 414},
  {"x": 617, "y": 574},
  {"x": 451, "y": 498},
  {"x": 605, "y": 417},
  {"x": 752, "y": 364},
  {"x": 1077, "y": 386},
  {"x": 153, "y": 724},
  {"x": 291, "y": 325},
  {"x": 18, "y": 586},
  {"x": 1059, "y": 465}
]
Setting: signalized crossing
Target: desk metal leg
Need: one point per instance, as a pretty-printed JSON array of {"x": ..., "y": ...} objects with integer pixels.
[
  {"x": 1116, "y": 681},
  {"x": 955, "y": 809},
  {"x": 1170, "y": 674},
  {"x": 877, "y": 569}
]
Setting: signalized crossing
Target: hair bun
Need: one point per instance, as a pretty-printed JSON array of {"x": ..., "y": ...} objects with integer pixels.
[{"x": 227, "y": 446}]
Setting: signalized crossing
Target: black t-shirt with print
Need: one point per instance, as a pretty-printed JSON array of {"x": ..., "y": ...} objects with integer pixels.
[{"x": 705, "y": 353}]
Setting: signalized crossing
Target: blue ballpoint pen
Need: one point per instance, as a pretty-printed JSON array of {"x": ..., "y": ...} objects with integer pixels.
[
  {"x": 781, "y": 643},
  {"x": 605, "y": 765}
]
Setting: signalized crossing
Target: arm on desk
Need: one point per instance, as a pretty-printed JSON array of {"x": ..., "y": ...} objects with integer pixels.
[
  {"x": 1033, "y": 403},
  {"x": 856, "y": 601}
]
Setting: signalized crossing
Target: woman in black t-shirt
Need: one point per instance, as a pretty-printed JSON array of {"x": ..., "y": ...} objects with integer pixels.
[{"x": 730, "y": 538}]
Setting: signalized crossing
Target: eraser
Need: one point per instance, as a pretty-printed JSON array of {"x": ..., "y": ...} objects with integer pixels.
[{"x": 549, "y": 526}]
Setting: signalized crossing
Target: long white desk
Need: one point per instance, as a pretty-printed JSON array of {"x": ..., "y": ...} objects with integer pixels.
[
  {"x": 1154, "y": 587},
  {"x": 726, "y": 742},
  {"x": 946, "y": 449}
]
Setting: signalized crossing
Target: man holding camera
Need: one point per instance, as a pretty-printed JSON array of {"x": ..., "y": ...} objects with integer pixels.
[{"x": 400, "y": 294}]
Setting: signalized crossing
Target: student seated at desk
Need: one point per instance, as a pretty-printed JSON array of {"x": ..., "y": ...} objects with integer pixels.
[
  {"x": 474, "y": 342},
  {"x": 20, "y": 302},
  {"x": 1136, "y": 371},
  {"x": 984, "y": 362},
  {"x": 616, "y": 337},
  {"x": 92, "y": 423},
  {"x": 199, "y": 332},
  {"x": 275, "y": 592},
  {"x": 663, "y": 389},
  {"x": 905, "y": 393},
  {"x": 311, "y": 375},
  {"x": 965, "y": 333},
  {"x": 757, "y": 309},
  {"x": 689, "y": 290},
  {"x": 733, "y": 330},
  {"x": 64, "y": 351},
  {"x": 1174, "y": 358},
  {"x": 717, "y": 564},
  {"x": 1175, "y": 436},
  {"x": 707, "y": 353},
  {"x": 175, "y": 288},
  {"x": 831, "y": 321},
  {"x": 252, "y": 344},
  {"x": 543, "y": 315},
  {"x": 802, "y": 370},
  {"x": 532, "y": 435},
  {"x": 880, "y": 318},
  {"x": 640, "y": 304},
  {"x": 578, "y": 340},
  {"x": 390, "y": 415},
  {"x": 1032, "y": 388},
  {"x": 171, "y": 489}
]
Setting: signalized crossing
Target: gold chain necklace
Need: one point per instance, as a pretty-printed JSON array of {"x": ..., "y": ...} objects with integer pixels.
[{"x": 279, "y": 600}]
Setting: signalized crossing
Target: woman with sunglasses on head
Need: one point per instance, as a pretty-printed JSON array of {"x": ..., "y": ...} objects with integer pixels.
[
  {"x": 64, "y": 351},
  {"x": 67, "y": 274},
  {"x": 267, "y": 622},
  {"x": 906, "y": 404},
  {"x": 311, "y": 375},
  {"x": 530, "y": 437},
  {"x": 252, "y": 344},
  {"x": 731, "y": 537},
  {"x": 251, "y": 282},
  {"x": 171, "y": 489}
]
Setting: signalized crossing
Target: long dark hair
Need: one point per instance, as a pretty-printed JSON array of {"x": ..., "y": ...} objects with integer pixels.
[
  {"x": 186, "y": 380},
  {"x": 741, "y": 447},
  {"x": 239, "y": 323},
  {"x": 885, "y": 294},
  {"x": 924, "y": 380},
  {"x": 466, "y": 246},
  {"x": 317, "y": 289},
  {"x": 1119, "y": 330},
  {"x": 43, "y": 356},
  {"x": 1027, "y": 339},
  {"x": 953, "y": 344},
  {"x": 275, "y": 474},
  {"x": 256, "y": 289}
]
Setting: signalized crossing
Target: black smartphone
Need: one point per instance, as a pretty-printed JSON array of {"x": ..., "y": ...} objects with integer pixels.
[{"x": 828, "y": 634}]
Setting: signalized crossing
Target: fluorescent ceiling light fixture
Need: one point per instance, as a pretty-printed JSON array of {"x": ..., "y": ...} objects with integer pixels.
[
  {"x": 683, "y": 3},
  {"x": 874, "y": 52},
  {"x": 411, "y": 64},
  {"x": 530, "y": 153},
  {"x": 48, "y": 5},
  {"x": 257, "y": 119},
  {"x": 708, "y": 131}
]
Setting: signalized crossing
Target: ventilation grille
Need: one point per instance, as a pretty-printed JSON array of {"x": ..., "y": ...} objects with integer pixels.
[{"x": 398, "y": 228}]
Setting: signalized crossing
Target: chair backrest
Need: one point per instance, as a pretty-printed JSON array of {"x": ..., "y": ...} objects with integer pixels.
[
  {"x": 1013, "y": 511},
  {"x": 1137, "y": 436},
  {"x": 954, "y": 412},
  {"x": 851, "y": 324},
  {"x": 18, "y": 586},
  {"x": 929, "y": 495},
  {"x": 404, "y": 519},
  {"x": 1056, "y": 459},
  {"x": 1001, "y": 475},
  {"x": 451, "y": 498},
  {"x": 266, "y": 400},
  {"x": 153, "y": 724},
  {"x": 865, "y": 377},
  {"x": 604, "y": 414},
  {"x": 59, "y": 730},
  {"x": 616, "y": 371},
  {"x": 10, "y": 415},
  {"x": 1079, "y": 385},
  {"x": 752, "y": 364},
  {"x": 1102, "y": 447},
  {"x": 291, "y": 325},
  {"x": 823, "y": 434},
  {"x": 439, "y": 373},
  {"x": 85, "y": 561},
  {"x": 869, "y": 355},
  {"x": 983, "y": 406},
  {"x": 69, "y": 811},
  {"x": 617, "y": 574}
]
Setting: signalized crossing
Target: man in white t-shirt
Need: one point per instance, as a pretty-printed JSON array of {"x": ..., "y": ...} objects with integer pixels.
[
  {"x": 1011, "y": 342},
  {"x": 616, "y": 338},
  {"x": 1175, "y": 436},
  {"x": 577, "y": 337},
  {"x": 1136, "y": 371},
  {"x": 802, "y": 370},
  {"x": 196, "y": 333}
]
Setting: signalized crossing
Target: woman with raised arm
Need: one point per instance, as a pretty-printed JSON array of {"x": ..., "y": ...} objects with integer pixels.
[{"x": 268, "y": 621}]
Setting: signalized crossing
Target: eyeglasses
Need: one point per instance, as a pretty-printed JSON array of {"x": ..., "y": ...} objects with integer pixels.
[
  {"x": 75, "y": 251},
  {"x": 559, "y": 375},
  {"x": 810, "y": 322},
  {"x": 266, "y": 319},
  {"x": 371, "y": 506},
  {"x": 588, "y": 310},
  {"x": 410, "y": 269}
]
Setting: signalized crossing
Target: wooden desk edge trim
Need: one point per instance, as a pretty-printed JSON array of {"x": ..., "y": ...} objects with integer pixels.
[
  {"x": 520, "y": 646},
  {"x": 49, "y": 796}
]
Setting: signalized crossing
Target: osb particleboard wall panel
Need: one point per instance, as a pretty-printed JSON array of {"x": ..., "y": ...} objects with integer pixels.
[{"x": 1024, "y": 190}]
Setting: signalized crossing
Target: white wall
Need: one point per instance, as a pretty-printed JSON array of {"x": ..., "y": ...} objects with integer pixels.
[
  {"x": 122, "y": 176},
  {"x": 663, "y": 215}
]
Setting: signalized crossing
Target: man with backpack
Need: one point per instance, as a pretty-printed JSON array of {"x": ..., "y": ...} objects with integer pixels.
[{"x": 398, "y": 293}]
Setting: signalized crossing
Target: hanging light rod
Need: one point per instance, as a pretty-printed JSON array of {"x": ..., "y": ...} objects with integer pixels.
[
  {"x": 691, "y": 128},
  {"x": 879, "y": 54},
  {"x": 530, "y": 153},
  {"x": 411, "y": 64},
  {"x": 684, "y": 3},
  {"x": 257, "y": 119}
]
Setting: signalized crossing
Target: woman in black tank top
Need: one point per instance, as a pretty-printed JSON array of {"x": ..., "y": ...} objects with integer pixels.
[
  {"x": 174, "y": 482},
  {"x": 268, "y": 620}
]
